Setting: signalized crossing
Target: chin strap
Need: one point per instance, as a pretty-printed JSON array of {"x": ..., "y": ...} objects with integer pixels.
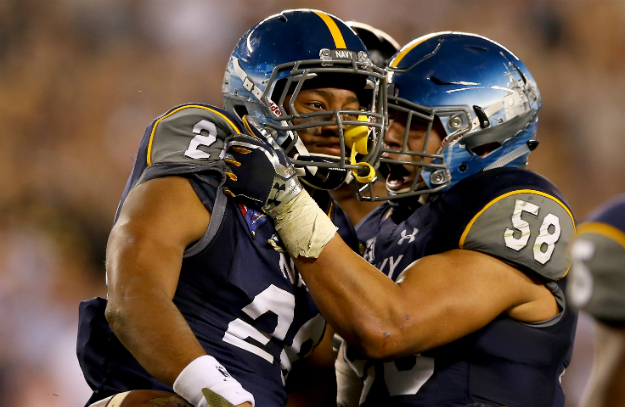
[
  {"x": 248, "y": 83},
  {"x": 508, "y": 158}
]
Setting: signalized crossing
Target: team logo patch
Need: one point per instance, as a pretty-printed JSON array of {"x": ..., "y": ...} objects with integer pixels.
[{"x": 253, "y": 218}]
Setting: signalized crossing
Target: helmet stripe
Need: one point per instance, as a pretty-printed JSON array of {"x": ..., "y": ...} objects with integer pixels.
[
  {"x": 176, "y": 110},
  {"x": 339, "y": 41},
  {"x": 408, "y": 47}
]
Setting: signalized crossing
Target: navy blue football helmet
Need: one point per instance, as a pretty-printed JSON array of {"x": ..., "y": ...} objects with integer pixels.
[
  {"x": 304, "y": 49},
  {"x": 480, "y": 94}
]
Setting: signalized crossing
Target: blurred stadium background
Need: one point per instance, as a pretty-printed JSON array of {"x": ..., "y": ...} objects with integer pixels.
[{"x": 81, "y": 79}]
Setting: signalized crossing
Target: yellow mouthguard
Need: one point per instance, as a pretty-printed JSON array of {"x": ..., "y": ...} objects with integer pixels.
[{"x": 356, "y": 135}]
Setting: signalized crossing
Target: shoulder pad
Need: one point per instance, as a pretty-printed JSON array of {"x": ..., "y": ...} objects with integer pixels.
[
  {"x": 191, "y": 133},
  {"x": 597, "y": 280},
  {"x": 611, "y": 213},
  {"x": 526, "y": 228}
]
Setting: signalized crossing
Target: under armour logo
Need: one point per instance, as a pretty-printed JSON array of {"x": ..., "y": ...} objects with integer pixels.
[{"x": 405, "y": 235}]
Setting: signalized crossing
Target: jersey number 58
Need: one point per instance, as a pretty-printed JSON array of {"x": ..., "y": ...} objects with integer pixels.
[{"x": 547, "y": 237}]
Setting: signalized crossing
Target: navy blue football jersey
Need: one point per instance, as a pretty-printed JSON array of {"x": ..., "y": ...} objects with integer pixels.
[
  {"x": 518, "y": 217},
  {"x": 597, "y": 283},
  {"x": 244, "y": 300}
]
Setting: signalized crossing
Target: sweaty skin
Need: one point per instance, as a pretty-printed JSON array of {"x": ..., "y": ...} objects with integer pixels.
[
  {"x": 158, "y": 220},
  {"x": 324, "y": 139},
  {"x": 141, "y": 285},
  {"x": 441, "y": 298},
  {"x": 438, "y": 300}
]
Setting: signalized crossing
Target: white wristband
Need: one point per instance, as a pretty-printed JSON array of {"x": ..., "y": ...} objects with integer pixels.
[{"x": 206, "y": 373}]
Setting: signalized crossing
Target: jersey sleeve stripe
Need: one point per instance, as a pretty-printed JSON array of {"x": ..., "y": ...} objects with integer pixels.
[
  {"x": 499, "y": 198},
  {"x": 177, "y": 110},
  {"x": 339, "y": 41},
  {"x": 247, "y": 125},
  {"x": 603, "y": 229}
]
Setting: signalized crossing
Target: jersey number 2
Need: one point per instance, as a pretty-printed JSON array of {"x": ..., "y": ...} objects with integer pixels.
[
  {"x": 282, "y": 304},
  {"x": 200, "y": 140},
  {"x": 272, "y": 299},
  {"x": 548, "y": 235}
]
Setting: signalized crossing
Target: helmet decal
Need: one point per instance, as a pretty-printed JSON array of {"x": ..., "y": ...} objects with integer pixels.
[
  {"x": 304, "y": 49},
  {"x": 339, "y": 41}
]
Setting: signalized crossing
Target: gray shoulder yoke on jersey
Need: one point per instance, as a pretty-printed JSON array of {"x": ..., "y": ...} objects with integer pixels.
[
  {"x": 178, "y": 169},
  {"x": 597, "y": 280},
  {"x": 527, "y": 229},
  {"x": 190, "y": 134}
]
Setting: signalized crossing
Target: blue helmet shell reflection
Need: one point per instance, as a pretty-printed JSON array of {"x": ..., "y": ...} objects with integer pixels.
[
  {"x": 303, "y": 49},
  {"x": 482, "y": 95}
]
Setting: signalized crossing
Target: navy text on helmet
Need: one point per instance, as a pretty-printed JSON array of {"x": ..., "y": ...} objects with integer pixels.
[{"x": 303, "y": 49}]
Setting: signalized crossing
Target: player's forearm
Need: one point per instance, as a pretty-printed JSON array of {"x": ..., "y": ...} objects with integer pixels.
[
  {"x": 140, "y": 309},
  {"x": 153, "y": 330},
  {"x": 358, "y": 300}
]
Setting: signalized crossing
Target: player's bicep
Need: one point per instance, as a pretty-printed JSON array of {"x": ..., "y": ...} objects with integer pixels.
[
  {"x": 158, "y": 220},
  {"x": 452, "y": 294}
]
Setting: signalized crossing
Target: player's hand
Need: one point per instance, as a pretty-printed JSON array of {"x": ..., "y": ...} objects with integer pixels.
[
  {"x": 260, "y": 173},
  {"x": 245, "y": 405}
]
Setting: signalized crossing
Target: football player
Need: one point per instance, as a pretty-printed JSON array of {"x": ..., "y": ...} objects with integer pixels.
[
  {"x": 381, "y": 47},
  {"x": 202, "y": 299},
  {"x": 597, "y": 286},
  {"x": 469, "y": 251}
]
